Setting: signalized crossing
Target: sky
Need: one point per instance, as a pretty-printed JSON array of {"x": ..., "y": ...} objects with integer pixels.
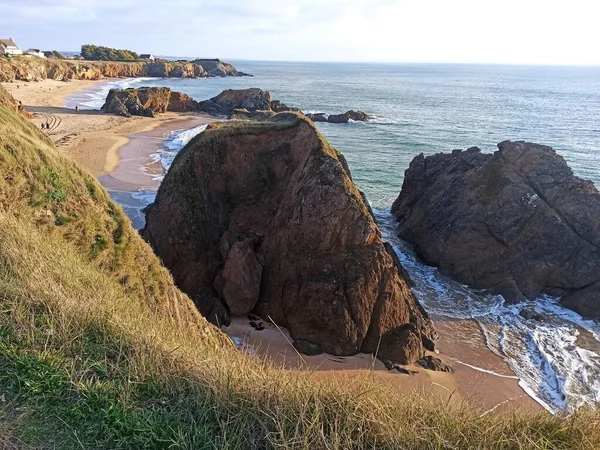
[{"x": 555, "y": 32}]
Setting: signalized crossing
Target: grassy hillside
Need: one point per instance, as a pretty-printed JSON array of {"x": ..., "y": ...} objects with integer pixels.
[{"x": 98, "y": 349}]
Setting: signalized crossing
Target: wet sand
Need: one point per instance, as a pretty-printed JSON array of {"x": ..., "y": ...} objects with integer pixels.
[
  {"x": 488, "y": 385},
  {"x": 131, "y": 169}
]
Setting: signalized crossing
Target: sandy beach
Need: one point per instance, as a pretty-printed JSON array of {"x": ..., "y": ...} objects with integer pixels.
[
  {"x": 479, "y": 377},
  {"x": 90, "y": 138},
  {"x": 118, "y": 151}
]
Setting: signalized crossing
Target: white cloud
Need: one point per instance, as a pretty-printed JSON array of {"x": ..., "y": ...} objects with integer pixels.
[{"x": 517, "y": 31}]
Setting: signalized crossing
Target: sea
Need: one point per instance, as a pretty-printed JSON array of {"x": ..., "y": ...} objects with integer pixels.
[{"x": 432, "y": 108}]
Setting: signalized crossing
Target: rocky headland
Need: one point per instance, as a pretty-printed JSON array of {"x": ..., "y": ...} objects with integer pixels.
[
  {"x": 254, "y": 99},
  {"x": 37, "y": 69},
  {"x": 516, "y": 222},
  {"x": 262, "y": 216},
  {"x": 150, "y": 101}
]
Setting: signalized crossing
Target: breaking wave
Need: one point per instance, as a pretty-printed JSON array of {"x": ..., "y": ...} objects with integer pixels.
[{"x": 551, "y": 349}]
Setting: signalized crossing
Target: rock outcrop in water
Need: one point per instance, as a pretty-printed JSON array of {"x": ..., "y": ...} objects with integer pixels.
[
  {"x": 263, "y": 217},
  {"x": 37, "y": 69},
  {"x": 517, "y": 222},
  {"x": 356, "y": 116},
  {"x": 218, "y": 68},
  {"x": 147, "y": 102},
  {"x": 251, "y": 100},
  {"x": 228, "y": 103}
]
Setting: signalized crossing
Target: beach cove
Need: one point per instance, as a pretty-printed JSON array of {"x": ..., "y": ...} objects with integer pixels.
[{"x": 122, "y": 153}]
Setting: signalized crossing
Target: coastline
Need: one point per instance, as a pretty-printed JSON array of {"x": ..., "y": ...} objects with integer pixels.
[
  {"x": 89, "y": 137},
  {"x": 118, "y": 151}
]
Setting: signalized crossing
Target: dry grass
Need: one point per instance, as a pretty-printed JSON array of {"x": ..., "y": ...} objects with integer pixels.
[{"x": 87, "y": 359}]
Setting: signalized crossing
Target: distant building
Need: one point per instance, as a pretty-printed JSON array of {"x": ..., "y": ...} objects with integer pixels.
[
  {"x": 35, "y": 52},
  {"x": 9, "y": 47},
  {"x": 147, "y": 56}
]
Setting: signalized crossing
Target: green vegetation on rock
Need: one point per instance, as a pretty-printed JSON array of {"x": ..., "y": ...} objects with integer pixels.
[
  {"x": 54, "y": 54},
  {"x": 99, "y": 53}
]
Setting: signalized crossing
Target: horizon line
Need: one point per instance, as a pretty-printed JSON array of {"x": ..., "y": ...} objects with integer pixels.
[{"x": 457, "y": 63}]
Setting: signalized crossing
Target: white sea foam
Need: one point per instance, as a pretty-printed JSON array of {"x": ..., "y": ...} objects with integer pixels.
[
  {"x": 172, "y": 145},
  {"x": 553, "y": 365},
  {"x": 145, "y": 197},
  {"x": 390, "y": 121},
  {"x": 94, "y": 98}
]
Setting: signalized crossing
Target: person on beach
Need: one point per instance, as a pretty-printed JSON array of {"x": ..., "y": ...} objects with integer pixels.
[{"x": 76, "y": 108}]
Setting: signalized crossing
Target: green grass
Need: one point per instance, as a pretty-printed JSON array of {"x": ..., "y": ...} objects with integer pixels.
[{"x": 99, "y": 350}]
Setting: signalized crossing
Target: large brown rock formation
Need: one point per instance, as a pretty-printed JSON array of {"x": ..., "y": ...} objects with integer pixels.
[
  {"x": 263, "y": 216},
  {"x": 517, "y": 222},
  {"x": 252, "y": 99},
  {"x": 147, "y": 101}
]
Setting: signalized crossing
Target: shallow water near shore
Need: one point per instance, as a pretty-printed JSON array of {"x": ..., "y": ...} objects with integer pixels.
[{"x": 430, "y": 109}]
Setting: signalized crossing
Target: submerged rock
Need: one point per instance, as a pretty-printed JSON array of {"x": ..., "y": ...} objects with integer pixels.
[
  {"x": 147, "y": 101},
  {"x": 516, "y": 222},
  {"x": 326, "y": 275}
]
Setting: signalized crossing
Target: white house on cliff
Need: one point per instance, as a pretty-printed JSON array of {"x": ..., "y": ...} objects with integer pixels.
[
  {"x": 35, "y": 52},
  {"x": 9, "y": 47}
]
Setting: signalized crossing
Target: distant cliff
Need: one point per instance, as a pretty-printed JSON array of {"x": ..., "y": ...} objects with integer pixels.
[{"x": 37, "y": 69}]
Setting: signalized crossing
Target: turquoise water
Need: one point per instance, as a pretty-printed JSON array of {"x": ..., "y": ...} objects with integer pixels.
[
  {"x": 430, "y": 109},
  {"x": 437, "y": 108}
]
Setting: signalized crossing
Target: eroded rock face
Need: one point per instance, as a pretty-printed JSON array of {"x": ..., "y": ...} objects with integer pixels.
[
  {"x": 147, "y": 102},
  {"x": 218, "y": 68},
  {"x": 37, "y": 69},
  {"x": 517, "y": 222},
  {"x": 238, "y": 284},
  {"x": 280, "y": 197}
]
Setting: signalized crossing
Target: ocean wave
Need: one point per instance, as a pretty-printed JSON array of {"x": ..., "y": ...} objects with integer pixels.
[
  {"x": 544, "y": 351},
  {"x": 377, "y": 120},
  {"x": 94, "y": 98},
  {"x": 145, "y": 197},
  {"x": 172, "y": 145}
]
